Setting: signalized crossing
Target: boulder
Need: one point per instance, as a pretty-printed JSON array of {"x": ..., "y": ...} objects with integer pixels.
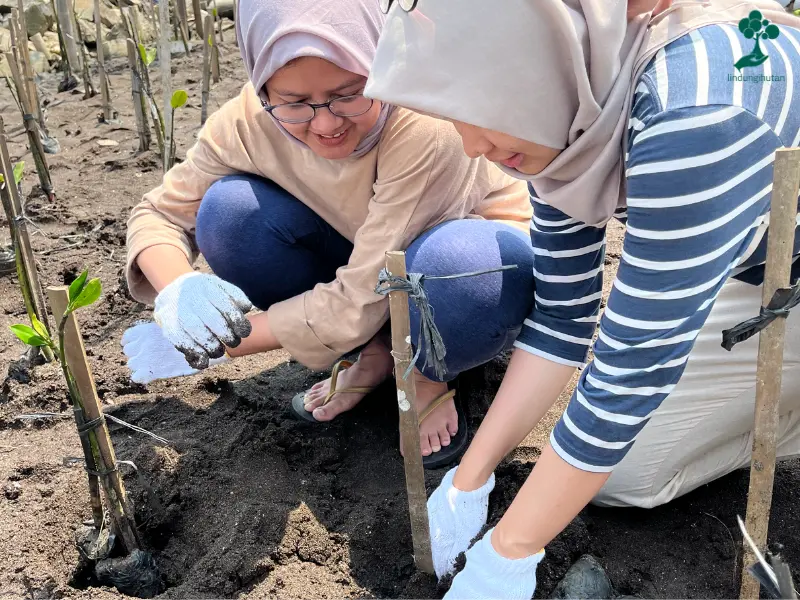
[
  {"x": 39, "y": 62},
  {"x": 225, "y": 8},
  {"x": 88, "y": 31},
  {"x": 5, "y": 70},
  {"x": 84, "y": 9},
  {"x": 110, "y": 16},
  {"x": 39, "y": 18},
  {"x": 5, "y": 41},
  {"x": 6, "y": 6},
  {"x": 115, "y": 49},
  {"x": 51, "y": 42}
]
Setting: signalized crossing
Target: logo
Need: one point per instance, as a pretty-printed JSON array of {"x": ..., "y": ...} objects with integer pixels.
[{"x": 756, "y": 27}]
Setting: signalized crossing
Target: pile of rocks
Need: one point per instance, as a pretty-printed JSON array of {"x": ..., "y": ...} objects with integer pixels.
[{"x": 43, "y": 39}]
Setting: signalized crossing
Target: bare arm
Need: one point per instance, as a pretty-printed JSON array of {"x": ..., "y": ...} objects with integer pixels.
[
  {"x": 163, "y": 264},
  {"x": 530, "y": 387}
]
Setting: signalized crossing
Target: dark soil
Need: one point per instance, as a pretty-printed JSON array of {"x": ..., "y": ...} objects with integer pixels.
[{"x": 246, "y": 502}]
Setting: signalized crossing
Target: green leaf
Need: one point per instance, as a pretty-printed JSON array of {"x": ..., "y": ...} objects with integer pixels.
[
  {"x": 76, "y": 287},
  {"x": 214, "y": 11},
  {"x": 18, "y": 171},
  {"x": 89, "y": 295},
  {"x": 27, "y": 335},
  {"x": 39, "y": 328},
  {"x": 744, "y": 24},
  {"x": 772, "y": 32},
  {"x": 148, "y": 55},
  {"x": 179, "y": 98},
  {"x": 756, "y": 15}
]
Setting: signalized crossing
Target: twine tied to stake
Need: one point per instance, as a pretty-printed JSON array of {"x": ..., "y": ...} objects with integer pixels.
[
  {"x": 782, "y": 302},
  {"x": 429, "y": 336}
]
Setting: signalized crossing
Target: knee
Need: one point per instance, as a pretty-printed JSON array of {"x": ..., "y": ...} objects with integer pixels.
[{"x": 223, "y": 212}]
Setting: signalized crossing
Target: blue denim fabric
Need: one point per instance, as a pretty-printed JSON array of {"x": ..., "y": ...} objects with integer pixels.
[{"x": 272, "y": 246}]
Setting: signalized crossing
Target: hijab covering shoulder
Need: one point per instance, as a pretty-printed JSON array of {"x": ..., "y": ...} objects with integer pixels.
[
  {"x": 272, "y": 33},
  {"x": 559, "y": 73}
]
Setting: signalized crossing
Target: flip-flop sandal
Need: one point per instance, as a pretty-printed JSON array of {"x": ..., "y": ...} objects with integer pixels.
[
  {"x": 458, "y": 443},
  {"x": 299, "y": 403}
]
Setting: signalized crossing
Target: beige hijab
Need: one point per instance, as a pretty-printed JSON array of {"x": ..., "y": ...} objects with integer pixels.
[{"x": 555, "y": 72}]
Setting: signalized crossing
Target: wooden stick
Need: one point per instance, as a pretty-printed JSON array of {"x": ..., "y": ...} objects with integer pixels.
[
  {"x": 19, "y": 230},
  {"x": 782, "y": 222},
  {"x": 75, "y": 355},
  {"x": 235, "y": 16},
  {"x": 64, "y": 17},
  {"x": 218, "y": 21},
  {"x": 409, "y": 425},
  {"x": 166, "y": 84},
  {"x": 181, "y": 26},
  {"x": 25, "y": 61},
  {"x": 198, "y": 19},
  {"x": 206, "y": 79},
  {"x": 151, "y": 15},
  {"x": 108, "y": 110},
  {"x": 214, "y": 51},
  {"x": 32, "y": 128},
  {"x": 139, "y": 106},
  {"x": 88, "y": 85}
]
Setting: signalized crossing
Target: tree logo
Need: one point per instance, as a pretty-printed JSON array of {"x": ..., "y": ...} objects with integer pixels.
[{"x": 756, "y": 27}]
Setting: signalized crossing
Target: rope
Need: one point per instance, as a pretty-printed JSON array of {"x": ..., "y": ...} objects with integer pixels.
[
  {"x": 429, "y": 336},
  {"x": 782, "y": 302}
]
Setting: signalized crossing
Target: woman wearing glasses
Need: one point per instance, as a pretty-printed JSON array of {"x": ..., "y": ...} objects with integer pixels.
[
  {"x": 293, "y": 193},
  {"x": 670, "y": 122}
]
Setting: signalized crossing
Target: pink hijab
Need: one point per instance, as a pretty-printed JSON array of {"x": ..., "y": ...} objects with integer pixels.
[{"x": 345, "y": 32}]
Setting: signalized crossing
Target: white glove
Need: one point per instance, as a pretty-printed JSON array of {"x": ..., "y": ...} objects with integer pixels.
[
  {"x": 201, "y": 314},
  {"x": 455, "y": 519},
  {"x": 151, "y": 356},
  {"x": 489, "y": 576}
]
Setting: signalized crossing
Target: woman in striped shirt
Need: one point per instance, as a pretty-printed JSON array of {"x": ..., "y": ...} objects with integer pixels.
[{"x": 670, "y": 122}]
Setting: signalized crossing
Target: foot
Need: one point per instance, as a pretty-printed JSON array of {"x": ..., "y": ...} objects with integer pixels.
[
  {"x": 374, "y": 365},
  {"x": 436, "y": 431}
]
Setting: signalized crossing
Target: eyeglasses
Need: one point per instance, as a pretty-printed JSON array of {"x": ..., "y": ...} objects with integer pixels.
[
  {"x": 406, "y": 5},
  {"x": 303, "y": 112}
]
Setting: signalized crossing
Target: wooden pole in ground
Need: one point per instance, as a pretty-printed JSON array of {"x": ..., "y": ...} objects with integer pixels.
[
  {"x": 782, "y": 223},
  {"x": 206, "y": 80},
  {"x": 409, "y": 425},
  {"x": 142, "y": 126},
  {"x": 108, "y": 110},
  {"x": 65, "y": 24},
  {"x": 181, "y": 27},
  {"x": 198, "y": 19},
  {"x": 31, "y": 288},
  {"x": 25, "y": 62},
  {"x": 114, "y": 488},
  {"x": 166, "y": 81},
  {"x": 88, "y": 85},
  {"x": 218, "y": 21},
  {"x": 32, "y": 128},
  {"x": 182, "y": 16},
  {"x": 213, "y": 50}
]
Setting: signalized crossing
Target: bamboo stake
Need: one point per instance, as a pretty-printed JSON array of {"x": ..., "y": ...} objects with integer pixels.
[
  {"x": 142, "y": 126},
  {"x": 25, "y": 61},
  {"x": 31, "y": 126},
  {"x": 235, "y": 16},
  {"x": 64, "y": 17},
  {"x": 199, "y": 25},
  {"x": 213, "y": 50},
  {"x": 206, "y": 80},
  {"x": 28, "y": 274},
  {"x": 218, "y": 21},
  {"x": 99, "y": 438},
  {"x": 409, "y": 425},
  {"x": 89, "y": 90},
  {"x": 166, "y": 83},
  {"x": 783, "y": 214},
  {"x": 181, "y": 30},
  {"x": 109, "y": 113},
  {"x": 151, "y": 16},
  {"x": 182, "y": 17}
]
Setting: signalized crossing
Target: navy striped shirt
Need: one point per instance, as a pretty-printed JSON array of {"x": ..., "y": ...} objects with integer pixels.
[{"x": 699, "y": 165}]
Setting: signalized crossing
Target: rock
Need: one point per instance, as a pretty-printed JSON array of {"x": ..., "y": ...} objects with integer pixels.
[
  {"x": 5, "y": 70},
  {"x": 6, "y": 6},
  {"x": 51, "y": 42},
  {"x": 585, "y": 579},
  {"x": 39, "y": 62},
  {"x": 39, "y": 18},
  {"x": 84, "y": 10},
  {"x": 88, "y": 31},
  {"x": 12, "y": 491},
  {"x": 5, "y": 40},
  {"x": 225, "y": 8},
  {"x": 115, "y": 49},
  {"x": 117, "y": 32},
  {"x": 110, "y": 16}
]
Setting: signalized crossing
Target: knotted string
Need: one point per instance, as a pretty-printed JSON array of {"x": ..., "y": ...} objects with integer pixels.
[
  {"x": 782, "y": 302},
  {"x": 429, "y": 336}
]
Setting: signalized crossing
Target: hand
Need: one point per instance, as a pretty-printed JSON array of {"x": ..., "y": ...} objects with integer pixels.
[
  {"x": 489, "y": 575},
  {"x": 455, "y": 518},
  {"x": 151, "y": 356},
  {"x": 201, "y": 314}
]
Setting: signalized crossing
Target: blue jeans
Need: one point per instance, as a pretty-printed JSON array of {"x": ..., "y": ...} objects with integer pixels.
[{"x": 262, "y": 239}]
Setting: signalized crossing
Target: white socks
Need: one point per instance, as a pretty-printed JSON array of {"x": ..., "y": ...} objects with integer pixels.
[
  {"x": 489, "y": 576},
  {"x": 455, "y": 517}
]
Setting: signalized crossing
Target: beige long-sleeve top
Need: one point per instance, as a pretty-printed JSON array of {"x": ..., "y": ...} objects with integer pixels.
[{"x": 415, "y": 178}]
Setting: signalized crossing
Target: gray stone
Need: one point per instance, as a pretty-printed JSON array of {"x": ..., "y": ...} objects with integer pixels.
[
  {"x": 585, "y": 579},
  {"x": 110, "y": 16},
  {"x": 5, "y": 40},
  {"x": 84, "y": 9},
  {"x": 39, "y": 62},
  {"x": 225, "y": 8},
  {"x": 51, "y": 41},
  {"x": 88, "y": 31},
  {"x": 115, "y": 49},
  {"x": 39, "y": 18}
]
